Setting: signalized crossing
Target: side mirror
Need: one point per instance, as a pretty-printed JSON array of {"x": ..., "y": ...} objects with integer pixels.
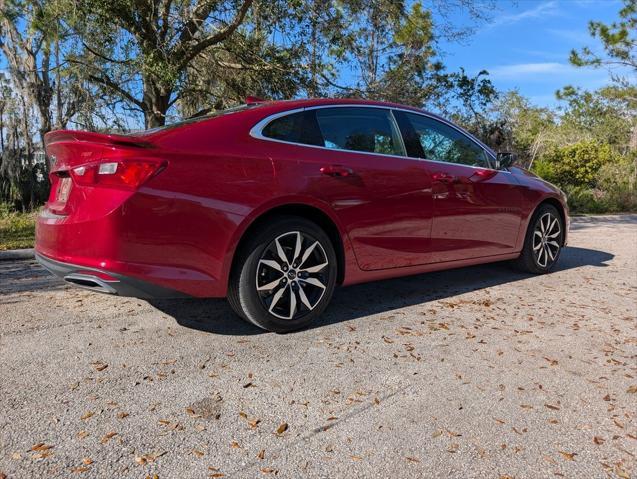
[{"x": 504, "y": 160}]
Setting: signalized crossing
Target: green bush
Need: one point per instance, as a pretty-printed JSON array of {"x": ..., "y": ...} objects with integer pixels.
[
  {"x": 595, "y": 177},
  {"x": 545, "y": 170},
  {"x": 582, "y": 199},
  {"x": 579, "y": 164},
  {"x": 618, "y": 181},
  {"x": 17, "y": 230}
]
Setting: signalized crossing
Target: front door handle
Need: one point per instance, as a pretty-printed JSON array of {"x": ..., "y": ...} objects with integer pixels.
[
  {"x": 444, "y": 177},
  {"x": 337, "y": 170}
]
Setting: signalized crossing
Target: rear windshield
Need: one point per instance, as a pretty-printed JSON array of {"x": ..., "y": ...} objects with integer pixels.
[{"x": 196, "y": 119}]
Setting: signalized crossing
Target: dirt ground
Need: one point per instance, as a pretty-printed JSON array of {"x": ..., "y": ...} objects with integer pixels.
[{"x": 480, "y": 372}]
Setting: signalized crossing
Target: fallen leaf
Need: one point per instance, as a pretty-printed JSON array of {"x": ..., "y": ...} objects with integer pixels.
[
  {"x": 261, "y": 454},
  {"x": 122, "y": 415},
  {"x": 550, "y": 406},
  {"x": 86, "y": 415},
  {"x": 621, "y": 472},
  {"x": 632, "y": 389},
  {"x": 412, "y": 459},
  {"x": 88, "y": 461},
  {"x": 198, "y": 453},
  {"x": 40, "y": 446},
  {"x": 108, "y": 436},
  {"x": 268, "y": 470},
  {"x": 99, "y": 365},
  {"x": 191, "y": 412},
  {"x": 282, "y": 428},
  {"x": 598, "y": 440},
  {"x": 82, "y": 434},
  {"x": 235, "y": 445},
  {"x": 568, "y": 455},
  {"x": 146, "y": 458},
  {"x": 607, "y": 397},
  {"x": 254, "y": 423},
  {"x": 356, "y": 458},
  {"x": 80, "y": 469}
]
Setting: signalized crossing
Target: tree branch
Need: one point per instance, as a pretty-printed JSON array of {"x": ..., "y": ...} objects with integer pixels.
[{"x": 218, "y": 37}]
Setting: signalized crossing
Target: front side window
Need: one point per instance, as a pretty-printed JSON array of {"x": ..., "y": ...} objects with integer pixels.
[
  {"x": 441, "y": 142},
  {"x": 370, "y": 130}
]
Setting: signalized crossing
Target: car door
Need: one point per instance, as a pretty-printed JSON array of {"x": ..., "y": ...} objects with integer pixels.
[
  {"x": 477, "y": 209},
  {"x": 358, "y": 165}
]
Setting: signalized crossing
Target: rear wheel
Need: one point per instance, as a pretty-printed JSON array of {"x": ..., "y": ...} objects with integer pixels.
[
  {"x": 285, "y": 275},
  {"x": 543, "y": 241}
]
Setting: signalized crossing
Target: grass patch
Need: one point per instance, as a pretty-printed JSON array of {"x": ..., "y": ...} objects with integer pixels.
[{"x": 17, "y": 230}]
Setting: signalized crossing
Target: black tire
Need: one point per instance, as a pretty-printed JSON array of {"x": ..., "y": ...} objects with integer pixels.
[
  {"x": 542, "y": 260},
  {"x": 258, "y": 256}
]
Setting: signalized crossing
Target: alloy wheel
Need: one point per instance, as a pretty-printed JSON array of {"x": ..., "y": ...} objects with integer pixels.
[
  {"x": 292, "y": 275},
  {"x": 546, "y": 240}
]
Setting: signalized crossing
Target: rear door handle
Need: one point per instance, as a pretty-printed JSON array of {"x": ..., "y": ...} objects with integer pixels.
[
  {"x": 337, "y": 170},
  {"x": 444, "y": 177}
]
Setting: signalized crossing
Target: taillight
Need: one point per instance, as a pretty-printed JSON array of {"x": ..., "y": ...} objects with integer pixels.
[{"x": 127, "y": 174}]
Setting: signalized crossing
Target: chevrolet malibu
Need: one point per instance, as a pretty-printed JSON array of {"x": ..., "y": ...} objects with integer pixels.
[{"x": 273, "y": 204}]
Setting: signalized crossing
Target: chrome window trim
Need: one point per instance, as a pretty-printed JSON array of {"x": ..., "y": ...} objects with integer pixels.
[{"x": 257, "y": 132}]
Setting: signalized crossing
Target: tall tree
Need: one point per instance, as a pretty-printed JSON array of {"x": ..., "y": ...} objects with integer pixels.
[
  {"x": 31, "y": 37},
  {"x": 143, "y": 49},
  {"x": 619, "y": 43}
]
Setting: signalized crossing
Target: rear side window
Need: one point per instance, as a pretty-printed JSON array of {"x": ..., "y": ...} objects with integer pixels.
[
  {"x": 298, "y": 127},
  {"x": 369, "y": 130},
  {"x": 441, "y": 142}
]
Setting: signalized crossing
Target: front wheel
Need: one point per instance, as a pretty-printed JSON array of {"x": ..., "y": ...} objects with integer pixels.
[
  {"x": 543, "y": 241},
  {"x": 285, "y": 275}
]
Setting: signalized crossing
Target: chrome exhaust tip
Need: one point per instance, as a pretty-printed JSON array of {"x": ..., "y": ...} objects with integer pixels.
[{"x": 89, "y": 282}]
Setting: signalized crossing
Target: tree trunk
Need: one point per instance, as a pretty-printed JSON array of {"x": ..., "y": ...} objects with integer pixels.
[{"x": 155, "y": 104}]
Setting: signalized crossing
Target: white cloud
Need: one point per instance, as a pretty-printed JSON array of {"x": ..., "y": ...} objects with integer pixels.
[
  {"x": 547, "y": 75},
  {"x": 541, "y": 10},
  {"x": 526, "y": 69}
]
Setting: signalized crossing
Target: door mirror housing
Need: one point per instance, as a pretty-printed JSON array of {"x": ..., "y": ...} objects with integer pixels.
[{"x": 504, "y": 160}]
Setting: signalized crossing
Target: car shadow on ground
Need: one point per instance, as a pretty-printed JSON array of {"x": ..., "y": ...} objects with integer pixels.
[{"x": 215, "y": 315}]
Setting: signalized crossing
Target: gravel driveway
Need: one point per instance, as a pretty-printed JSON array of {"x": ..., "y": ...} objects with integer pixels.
[{"x": 477, "y": 372}]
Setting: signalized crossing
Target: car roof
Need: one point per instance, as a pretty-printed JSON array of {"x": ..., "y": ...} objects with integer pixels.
[{"x": 283, "y": 105}]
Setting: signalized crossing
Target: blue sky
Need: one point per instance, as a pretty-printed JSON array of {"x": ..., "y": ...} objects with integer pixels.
[{"x": 527, "y": 44}]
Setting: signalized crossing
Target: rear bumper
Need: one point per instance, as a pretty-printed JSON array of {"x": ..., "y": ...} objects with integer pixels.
[
  {"x": 105, "y": 281},
  {"x": 147, "y": 240}
]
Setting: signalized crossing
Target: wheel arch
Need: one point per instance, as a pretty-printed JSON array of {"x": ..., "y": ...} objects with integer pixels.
[
  {"x": 560, "y": 209},
  {"x": 309, "y": 212}
]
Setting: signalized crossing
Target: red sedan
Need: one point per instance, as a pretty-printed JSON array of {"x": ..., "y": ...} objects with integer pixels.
[{"x": 273, "y": 204}]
